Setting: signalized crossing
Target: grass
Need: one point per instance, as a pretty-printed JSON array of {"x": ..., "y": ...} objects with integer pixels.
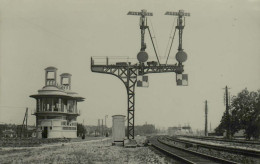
[{"x": 80, "y": 152}]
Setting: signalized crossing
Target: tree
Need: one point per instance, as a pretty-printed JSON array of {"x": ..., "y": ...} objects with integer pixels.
[
  {"x": 244, "y": 114},
  {"x": 234, "y": 123},
  {"x": 145, "y": 129},
  {"x": 246, "y": 106},
  {"x": 80, "y": 129}
]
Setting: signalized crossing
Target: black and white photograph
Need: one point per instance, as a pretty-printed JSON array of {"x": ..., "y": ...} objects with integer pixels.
[{"x": 129, "y": 81}]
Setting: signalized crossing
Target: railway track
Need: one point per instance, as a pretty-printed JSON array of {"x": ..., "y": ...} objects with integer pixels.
[
  {"x": 224, "y": 140},
  {"x": 185, "y": 155},
  {"x": 235, "y": 150}
]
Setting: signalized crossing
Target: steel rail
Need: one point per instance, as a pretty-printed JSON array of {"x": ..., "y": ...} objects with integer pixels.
[
  {"x": 224, "y": 140},
  {"x": 185, "y": 155},
  {"x": 246, "y": 152}
]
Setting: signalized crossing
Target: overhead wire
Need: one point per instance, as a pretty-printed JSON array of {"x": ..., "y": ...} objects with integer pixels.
[
  {"x": 153, "y": 44},
  {"x": 170, "y": 46},
  {"x": 156, "y": 43},
  {"x": 170, "y": 36},
  {"x": 171, "y": 42}
]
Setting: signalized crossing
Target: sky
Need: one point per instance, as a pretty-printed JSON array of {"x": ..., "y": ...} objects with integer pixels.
[{"x": 221, "y": 38}]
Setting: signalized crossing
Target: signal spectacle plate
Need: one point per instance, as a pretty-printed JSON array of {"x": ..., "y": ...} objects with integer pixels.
[
  {"x": 142, "y": 56},
  {"x": 181, "y": 56}
]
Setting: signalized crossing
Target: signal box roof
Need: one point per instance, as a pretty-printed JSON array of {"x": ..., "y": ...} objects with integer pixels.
[
  {"x": 65, "y": 75},
  {"x": 55, "y": 91},
  {"x": 50, "y": 69}
]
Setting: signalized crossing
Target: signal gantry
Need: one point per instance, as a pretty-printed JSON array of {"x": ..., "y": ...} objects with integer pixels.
[{"x": 130, "y": 74}]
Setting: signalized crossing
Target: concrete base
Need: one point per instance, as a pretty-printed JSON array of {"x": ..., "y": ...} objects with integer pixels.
[
  {"x": 60, "y": 134},
  {"x": 130, "y": 143},
  {"x": 118, "y": 143}
]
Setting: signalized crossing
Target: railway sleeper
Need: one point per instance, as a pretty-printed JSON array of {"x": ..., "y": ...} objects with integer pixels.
[{"x": 188, "y": 145}]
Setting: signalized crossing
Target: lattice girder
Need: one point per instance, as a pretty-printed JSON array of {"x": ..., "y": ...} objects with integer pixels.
[{"x": 128, "y": 75}]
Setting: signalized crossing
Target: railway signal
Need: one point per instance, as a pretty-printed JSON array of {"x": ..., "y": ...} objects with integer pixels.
[
  {"x": 143, "y": 25},
  {"x": 142, "y": 56},
  {"x": 129, "y": 73},
  {"x": 181, "y": 56}
]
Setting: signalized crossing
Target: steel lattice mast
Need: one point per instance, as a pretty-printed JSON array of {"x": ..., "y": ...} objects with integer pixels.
[{"x": 128, "y": 72}]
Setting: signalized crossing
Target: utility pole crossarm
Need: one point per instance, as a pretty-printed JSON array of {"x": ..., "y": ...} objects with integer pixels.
[
  {"x": 144, "y": 13},
  {"x": 180, "y": 13}
]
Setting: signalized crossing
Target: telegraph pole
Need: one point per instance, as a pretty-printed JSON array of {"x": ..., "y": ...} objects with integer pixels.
[
  {"x": 98, "y": 127},
  {"x": 227, "y": 113},
  {"x": 24, "y": 124},
  {"x": 106, "y": 125},
  {"x": 102, "y": 129},
  {"x": 206, "y": 118},
  {"x": 26, "y": 119}
]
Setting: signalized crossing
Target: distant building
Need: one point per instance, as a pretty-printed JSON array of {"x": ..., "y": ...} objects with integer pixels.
[
  {"x": 185, "y": 130},
  {"x": 56, "y": 107},
  {"x": 9, "y": 133}
]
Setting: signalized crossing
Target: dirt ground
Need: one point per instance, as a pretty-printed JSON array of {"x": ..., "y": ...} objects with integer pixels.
[{"x": 98, "y": 151}]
